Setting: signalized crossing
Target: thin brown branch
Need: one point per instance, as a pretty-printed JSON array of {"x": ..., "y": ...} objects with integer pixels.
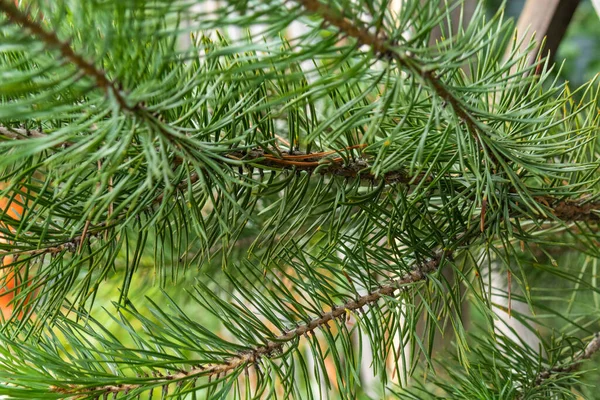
[
  {"x": 263, "y": 160},
  {"x": 274, "y": 346},
  {"x": 24, "y": 134},
  {"x": 52, "y": 42},
  {"x": 591, "y": 348},
  {"x": 320, "y": 163},
  {"x": 383, "y": 47},
  {"x": 70, "y": 245},
  {"x": 565, "y": 210}
]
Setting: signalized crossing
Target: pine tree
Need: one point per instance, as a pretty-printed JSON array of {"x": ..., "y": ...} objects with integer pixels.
[{"x": 311, "y": 206}]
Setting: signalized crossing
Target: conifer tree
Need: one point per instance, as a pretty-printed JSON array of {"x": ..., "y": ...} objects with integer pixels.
[{"x": 312, "y": 206}]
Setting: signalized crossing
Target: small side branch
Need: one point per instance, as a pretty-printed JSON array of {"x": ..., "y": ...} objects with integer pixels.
[
  {"x": 590, "y": 349},
  {"x": 70, "y": 245},
  {"x": 350, "y": 28}
]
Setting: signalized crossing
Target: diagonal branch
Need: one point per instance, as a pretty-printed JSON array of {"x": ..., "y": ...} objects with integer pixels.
[
  {"x": 383, "y": 47},
  {"x": 51, "y": 40},
  {"x": 253, "y": 356}
]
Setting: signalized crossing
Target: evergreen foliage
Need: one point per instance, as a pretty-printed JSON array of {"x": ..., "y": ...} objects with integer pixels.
[{"x": 347, "y": 190}]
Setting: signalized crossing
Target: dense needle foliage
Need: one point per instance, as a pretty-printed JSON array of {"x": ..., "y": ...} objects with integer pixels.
[{"x": 348, "y": 197}]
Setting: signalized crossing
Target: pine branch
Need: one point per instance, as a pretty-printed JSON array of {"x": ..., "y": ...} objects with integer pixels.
[
  {"x": 565, "y": 210},
  {"x": 312, "y": 162},
  {"x": 251, "y": 357},
  {"x": 51, "y": 40},
  {"x": 382, "y": 47},
  {"x": 590, "y": 349}
]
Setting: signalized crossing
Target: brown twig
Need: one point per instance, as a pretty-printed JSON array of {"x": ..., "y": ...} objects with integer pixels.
[
  {"x": 300, "y": 156},
  {"x": 253, "y": 356},
  {"x": 359, "y": 169},
  {"x": 70, "y": 245}
]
